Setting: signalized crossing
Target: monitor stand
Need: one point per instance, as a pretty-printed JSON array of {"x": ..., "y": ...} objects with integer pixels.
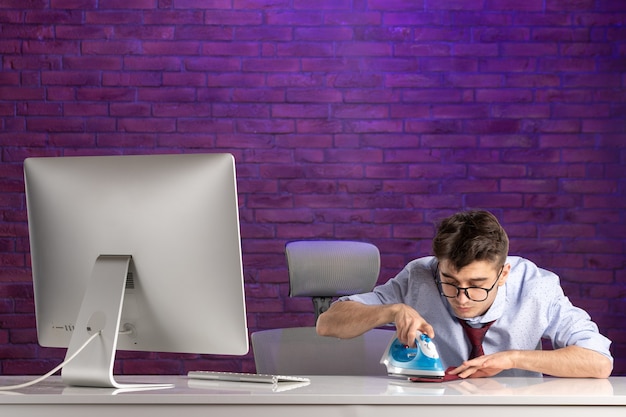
[{"x": 100, "y": 311}]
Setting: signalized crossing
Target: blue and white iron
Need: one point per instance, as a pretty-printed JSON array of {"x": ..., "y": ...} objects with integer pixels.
[{"x": 419, "y": 363}]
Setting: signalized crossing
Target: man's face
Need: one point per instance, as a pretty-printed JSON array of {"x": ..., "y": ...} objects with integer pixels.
[{"x": 481, "y": 274}]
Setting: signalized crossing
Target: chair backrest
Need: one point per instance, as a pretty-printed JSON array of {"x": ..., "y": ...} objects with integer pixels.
[{"x": 324, "y": 270}]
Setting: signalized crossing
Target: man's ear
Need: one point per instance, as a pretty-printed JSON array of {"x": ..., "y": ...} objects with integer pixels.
[{"x": 504, "y": 275}]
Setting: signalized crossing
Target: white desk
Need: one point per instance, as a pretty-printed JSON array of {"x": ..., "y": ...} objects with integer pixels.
[{"x": 327, "y": 396}]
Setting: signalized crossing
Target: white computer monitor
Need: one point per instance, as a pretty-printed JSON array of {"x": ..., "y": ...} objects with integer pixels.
[{"x": 144, "y": 249}]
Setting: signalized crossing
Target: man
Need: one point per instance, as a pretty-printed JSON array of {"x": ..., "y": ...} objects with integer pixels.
[{"x": 471, "y": 282}]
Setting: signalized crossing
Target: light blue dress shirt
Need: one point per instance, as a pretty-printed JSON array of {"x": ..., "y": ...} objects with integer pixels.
[{"x": 529, "y": 307}]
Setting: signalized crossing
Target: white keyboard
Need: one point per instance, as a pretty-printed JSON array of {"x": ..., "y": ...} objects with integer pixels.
[{"x": 244, "y": 377}]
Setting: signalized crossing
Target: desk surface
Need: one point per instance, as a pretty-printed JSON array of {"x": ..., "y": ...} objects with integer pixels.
[{"x": 332, "y": 390}]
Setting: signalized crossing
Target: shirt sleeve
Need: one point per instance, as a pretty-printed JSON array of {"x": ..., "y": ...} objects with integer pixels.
[{"x": 571, "y": 325}]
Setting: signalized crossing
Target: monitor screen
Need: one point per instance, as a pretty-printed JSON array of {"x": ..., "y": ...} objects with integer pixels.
[{"x": 145, "y": 250}]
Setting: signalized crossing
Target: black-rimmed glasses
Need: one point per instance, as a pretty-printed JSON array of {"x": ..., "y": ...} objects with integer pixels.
[{"x": 473, "y": 293}]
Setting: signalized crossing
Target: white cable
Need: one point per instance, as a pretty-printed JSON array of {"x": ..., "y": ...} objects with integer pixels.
[{"x": 43, "y": 377}]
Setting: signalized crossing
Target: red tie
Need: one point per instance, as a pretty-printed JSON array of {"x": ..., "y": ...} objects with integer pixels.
[{"x": 476, "y": 336}]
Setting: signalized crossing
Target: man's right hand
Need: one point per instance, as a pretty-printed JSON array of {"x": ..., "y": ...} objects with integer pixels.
[{"x": 409, "y": 323}]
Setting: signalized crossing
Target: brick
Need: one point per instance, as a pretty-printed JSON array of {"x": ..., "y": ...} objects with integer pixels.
[
  {"x": 449, "y": 171},
  {"x": 105, "y": 94},
  {"x": 363, "y": 49},
  {"x": 323, "y": 34},
  {"x": 300, "y": 110},
  {"x": 199, "y": 125},
  {"x": 442, "y": 35},
  {"x": 470, "y": 186},
  {"x": 590, "y": 155},
  {"x": 108, "y": 47},
  {"x": 515, "y": 111},
  {"x": 292, "y": 18},
  {"x": 172, "y": 94},
  {"x": 163, "y": 47},
  {"x": 531, "y": 5},
  {"x": 561, "y": 34},
  {"x": 50, "y": 47},
  {"x": 314, "y": 96},
  {"x": 561, "y": 5},
  {"x": 497, "y": 35},
  {"x": 213, "y": 33},
  {"x": 145, "y": 33},
  {"x": 412, "y": 80},
  {"x": 565, "y": 65},
  {"x": 23, "y": 31},
  {"x": 356, "y": 111},
  {"x": 466, "y": 111},
  {"x": 365, "y": 18},
  {"x": 39, "y": 109},
  {"x": 234, "y": 141},
  {"x": 241, "y": 110},
  {"x": 533, "y": 49},
  {"x": 277, "y": 216},
  {"x": 425, "y": 49},
  {"x": 364, "y": 156},
  {"x": 418, "y": 17},
  {"x": 473, "y": 80},
  {"x": 181, "y": 109},
  {"x": 455, "y": 5},
  {"x": 48, "y": 124},
  {"x": 184, "y": 79},
  {"x": 177, "y": 17},
  {"x": 93, "y": 63},
  {"x": 257, "y": 95},
  {"x": 591, "y": 80},
  {"x": 604, "y": 125},
  {"x": 126, "y": 4},
  {"x": 256, "y": 33},
  {"x": 388, "y": 142},
  {"x": 9, "y": 46},
  {"x": 266, "y": 126},
  {"x": 474, "y": 50},
  {"x": 323, "y": 4},
  {"x": 453, "y": 64},
  {"x": 92, "y": 109},
  {"x": 231, "y": 48},
  {"x": 202, "y": 4},
  {"x": 529, "y": 186},
  {"x": 138, "y": 63},
  {"x": 394, "y": 33},
  {"x": 373, "y": 126},
  {"x": 395, "y": 5},
  {"x": 135, "y": 78},
  {"x": 503, "y": 95},
  {"x": 211, "y": 64}
]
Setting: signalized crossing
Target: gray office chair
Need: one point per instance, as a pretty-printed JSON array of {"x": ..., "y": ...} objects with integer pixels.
[{"x": 324, "y": 270}]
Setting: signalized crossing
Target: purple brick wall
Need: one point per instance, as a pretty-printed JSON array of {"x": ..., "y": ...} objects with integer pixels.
[{"x": 349, "y": 119}]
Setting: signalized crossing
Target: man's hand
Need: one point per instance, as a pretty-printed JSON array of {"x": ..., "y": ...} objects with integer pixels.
[
  {"x": 570, "y": 361},
  {"x": 484, "y": 366},
  {"x": 409, "y": 323}
]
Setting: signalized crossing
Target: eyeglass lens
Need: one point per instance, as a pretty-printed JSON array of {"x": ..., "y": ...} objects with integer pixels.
[{"x": 473, "y": 293}]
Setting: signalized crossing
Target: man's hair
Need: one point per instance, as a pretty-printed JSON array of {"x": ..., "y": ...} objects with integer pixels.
[{"x": 471, "y": 236}]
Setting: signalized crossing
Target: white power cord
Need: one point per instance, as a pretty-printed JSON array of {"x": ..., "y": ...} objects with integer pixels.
[{"x": 43, "y": 377}]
